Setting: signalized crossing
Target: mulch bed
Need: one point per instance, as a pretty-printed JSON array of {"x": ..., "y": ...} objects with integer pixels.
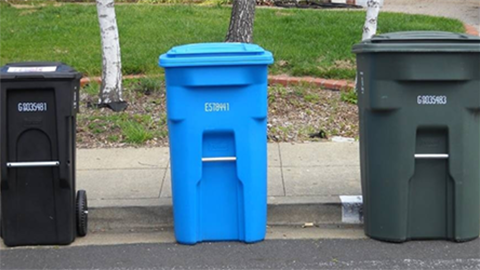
[{"x": 296, "y": 114}]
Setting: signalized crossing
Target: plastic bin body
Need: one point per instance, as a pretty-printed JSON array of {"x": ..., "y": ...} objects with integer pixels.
[
  {"x": 217, "y": 116},
  {"x": 37, "y": 124},
  {"x": 419, "y": 107}
]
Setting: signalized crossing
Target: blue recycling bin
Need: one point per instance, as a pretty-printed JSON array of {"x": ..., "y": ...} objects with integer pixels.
[{"x": 217, "y": 121}]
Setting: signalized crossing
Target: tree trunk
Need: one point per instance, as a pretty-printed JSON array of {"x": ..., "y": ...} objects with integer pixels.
[
  {"x": 370, "y": 27},
  {"x": 111, "y": 89},
  {"x": 241, "y": 21}
]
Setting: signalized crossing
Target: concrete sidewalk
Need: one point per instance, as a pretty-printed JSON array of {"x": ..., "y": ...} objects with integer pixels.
[{"x": 304, "y": 183}]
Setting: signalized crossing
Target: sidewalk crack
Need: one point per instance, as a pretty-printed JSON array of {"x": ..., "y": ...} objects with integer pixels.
[
  {"x": 281, "y": 170},
  {"x": 163, "y": 179}
]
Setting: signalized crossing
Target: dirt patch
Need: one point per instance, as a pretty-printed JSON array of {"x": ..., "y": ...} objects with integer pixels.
[
  {"x": 143, "y": 123},
  {"x": 279, "y": 13},
  {"x": 307, "y": 113},
  {"x": 296, "y": 114},
  {"x": 27, "y": 12},
  {"x": 345, "y": 64}
]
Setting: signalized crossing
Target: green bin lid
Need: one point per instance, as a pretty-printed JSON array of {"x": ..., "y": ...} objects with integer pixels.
[{"x": 419, "y": 41}]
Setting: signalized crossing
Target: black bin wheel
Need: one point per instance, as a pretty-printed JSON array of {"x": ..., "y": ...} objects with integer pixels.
[{"x": 82, "y": 213}]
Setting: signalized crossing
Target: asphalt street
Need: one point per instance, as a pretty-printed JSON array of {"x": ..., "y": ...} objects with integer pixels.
[{"x": 273, "y": 254}]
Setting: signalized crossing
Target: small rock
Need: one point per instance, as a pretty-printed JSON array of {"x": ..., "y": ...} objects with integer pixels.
[
  {"x": 321, "y": 134},
  {"x": 342, "y": 139},
  {"x": 308, "y": 225}
]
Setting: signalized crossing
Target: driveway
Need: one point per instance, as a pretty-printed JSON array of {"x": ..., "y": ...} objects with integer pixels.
[{"x": 468, "y": 11}]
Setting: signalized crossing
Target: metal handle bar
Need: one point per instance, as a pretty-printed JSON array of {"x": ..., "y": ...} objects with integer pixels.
[
  {"x": 33, "y": 164},
  {"x": 219, "y": 159},
  {"x": 431, "y": 156}
]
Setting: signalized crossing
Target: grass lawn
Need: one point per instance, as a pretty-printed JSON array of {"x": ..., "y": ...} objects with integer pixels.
[{"x": 304, "y": 42}]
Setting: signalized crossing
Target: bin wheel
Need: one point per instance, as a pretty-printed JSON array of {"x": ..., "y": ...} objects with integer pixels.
[{"x": 82, "y": 213}]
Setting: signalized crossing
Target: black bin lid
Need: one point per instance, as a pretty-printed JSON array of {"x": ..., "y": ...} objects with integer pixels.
[
  {"x": 38, "y": 70},
  {"x": 419, "y": 41}
]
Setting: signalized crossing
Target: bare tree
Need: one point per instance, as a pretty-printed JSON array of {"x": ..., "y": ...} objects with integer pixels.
[
  {"x": 241, "y": 21},
  {"x": 111, "y": 89},
  {"x": 373, "y": 9}
]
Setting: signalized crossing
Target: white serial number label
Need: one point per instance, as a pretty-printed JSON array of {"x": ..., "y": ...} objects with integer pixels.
[
  {"x": 217, "y": 107},
  {"x": 32, "y": 107},
  {"x": 31, "y": 69},
  {"x": 432, "y": 100}
]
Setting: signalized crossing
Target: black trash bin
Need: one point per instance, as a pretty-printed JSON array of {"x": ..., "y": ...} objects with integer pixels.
[
  {"x": 419, "y": 106},
  {"x": 38, "y": 107}
]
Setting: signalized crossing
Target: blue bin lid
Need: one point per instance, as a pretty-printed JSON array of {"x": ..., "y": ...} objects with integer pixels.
[{"x": 215, "y": 54}]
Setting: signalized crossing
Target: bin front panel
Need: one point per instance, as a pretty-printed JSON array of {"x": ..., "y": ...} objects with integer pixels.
[
  {"x": 222, "y": 199},
  {"x": 37, "y": 125},
  {"x": 32, "y": 126},
  {"x": 419, "y": 144}
]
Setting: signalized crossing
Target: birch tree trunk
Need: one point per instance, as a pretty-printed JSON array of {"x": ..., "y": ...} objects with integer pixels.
[
  {"x": 241, "y": 21},
  {"x": 373, "y": 9},
  {"x": 370, "y": 27},
  {"x": 111, "y": 89}
]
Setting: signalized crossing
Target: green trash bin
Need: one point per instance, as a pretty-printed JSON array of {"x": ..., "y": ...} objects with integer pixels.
[{"x": 419, "y": 110}]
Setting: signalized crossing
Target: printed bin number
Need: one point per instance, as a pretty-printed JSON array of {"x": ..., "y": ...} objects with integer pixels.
[
  {"x": 32, "y": 107},
  {"x": 432, "y": 100},
  {"x": 217, "y": 107}
]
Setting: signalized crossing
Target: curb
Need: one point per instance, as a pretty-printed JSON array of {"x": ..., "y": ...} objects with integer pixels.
[
  {"x": 284, "y": 80},
  {"x": 337, "y": 85},
  {"x": 289, "y": 211},
  {"x": 471, "y": 30},
  {"x": 86, "y": 80}
]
